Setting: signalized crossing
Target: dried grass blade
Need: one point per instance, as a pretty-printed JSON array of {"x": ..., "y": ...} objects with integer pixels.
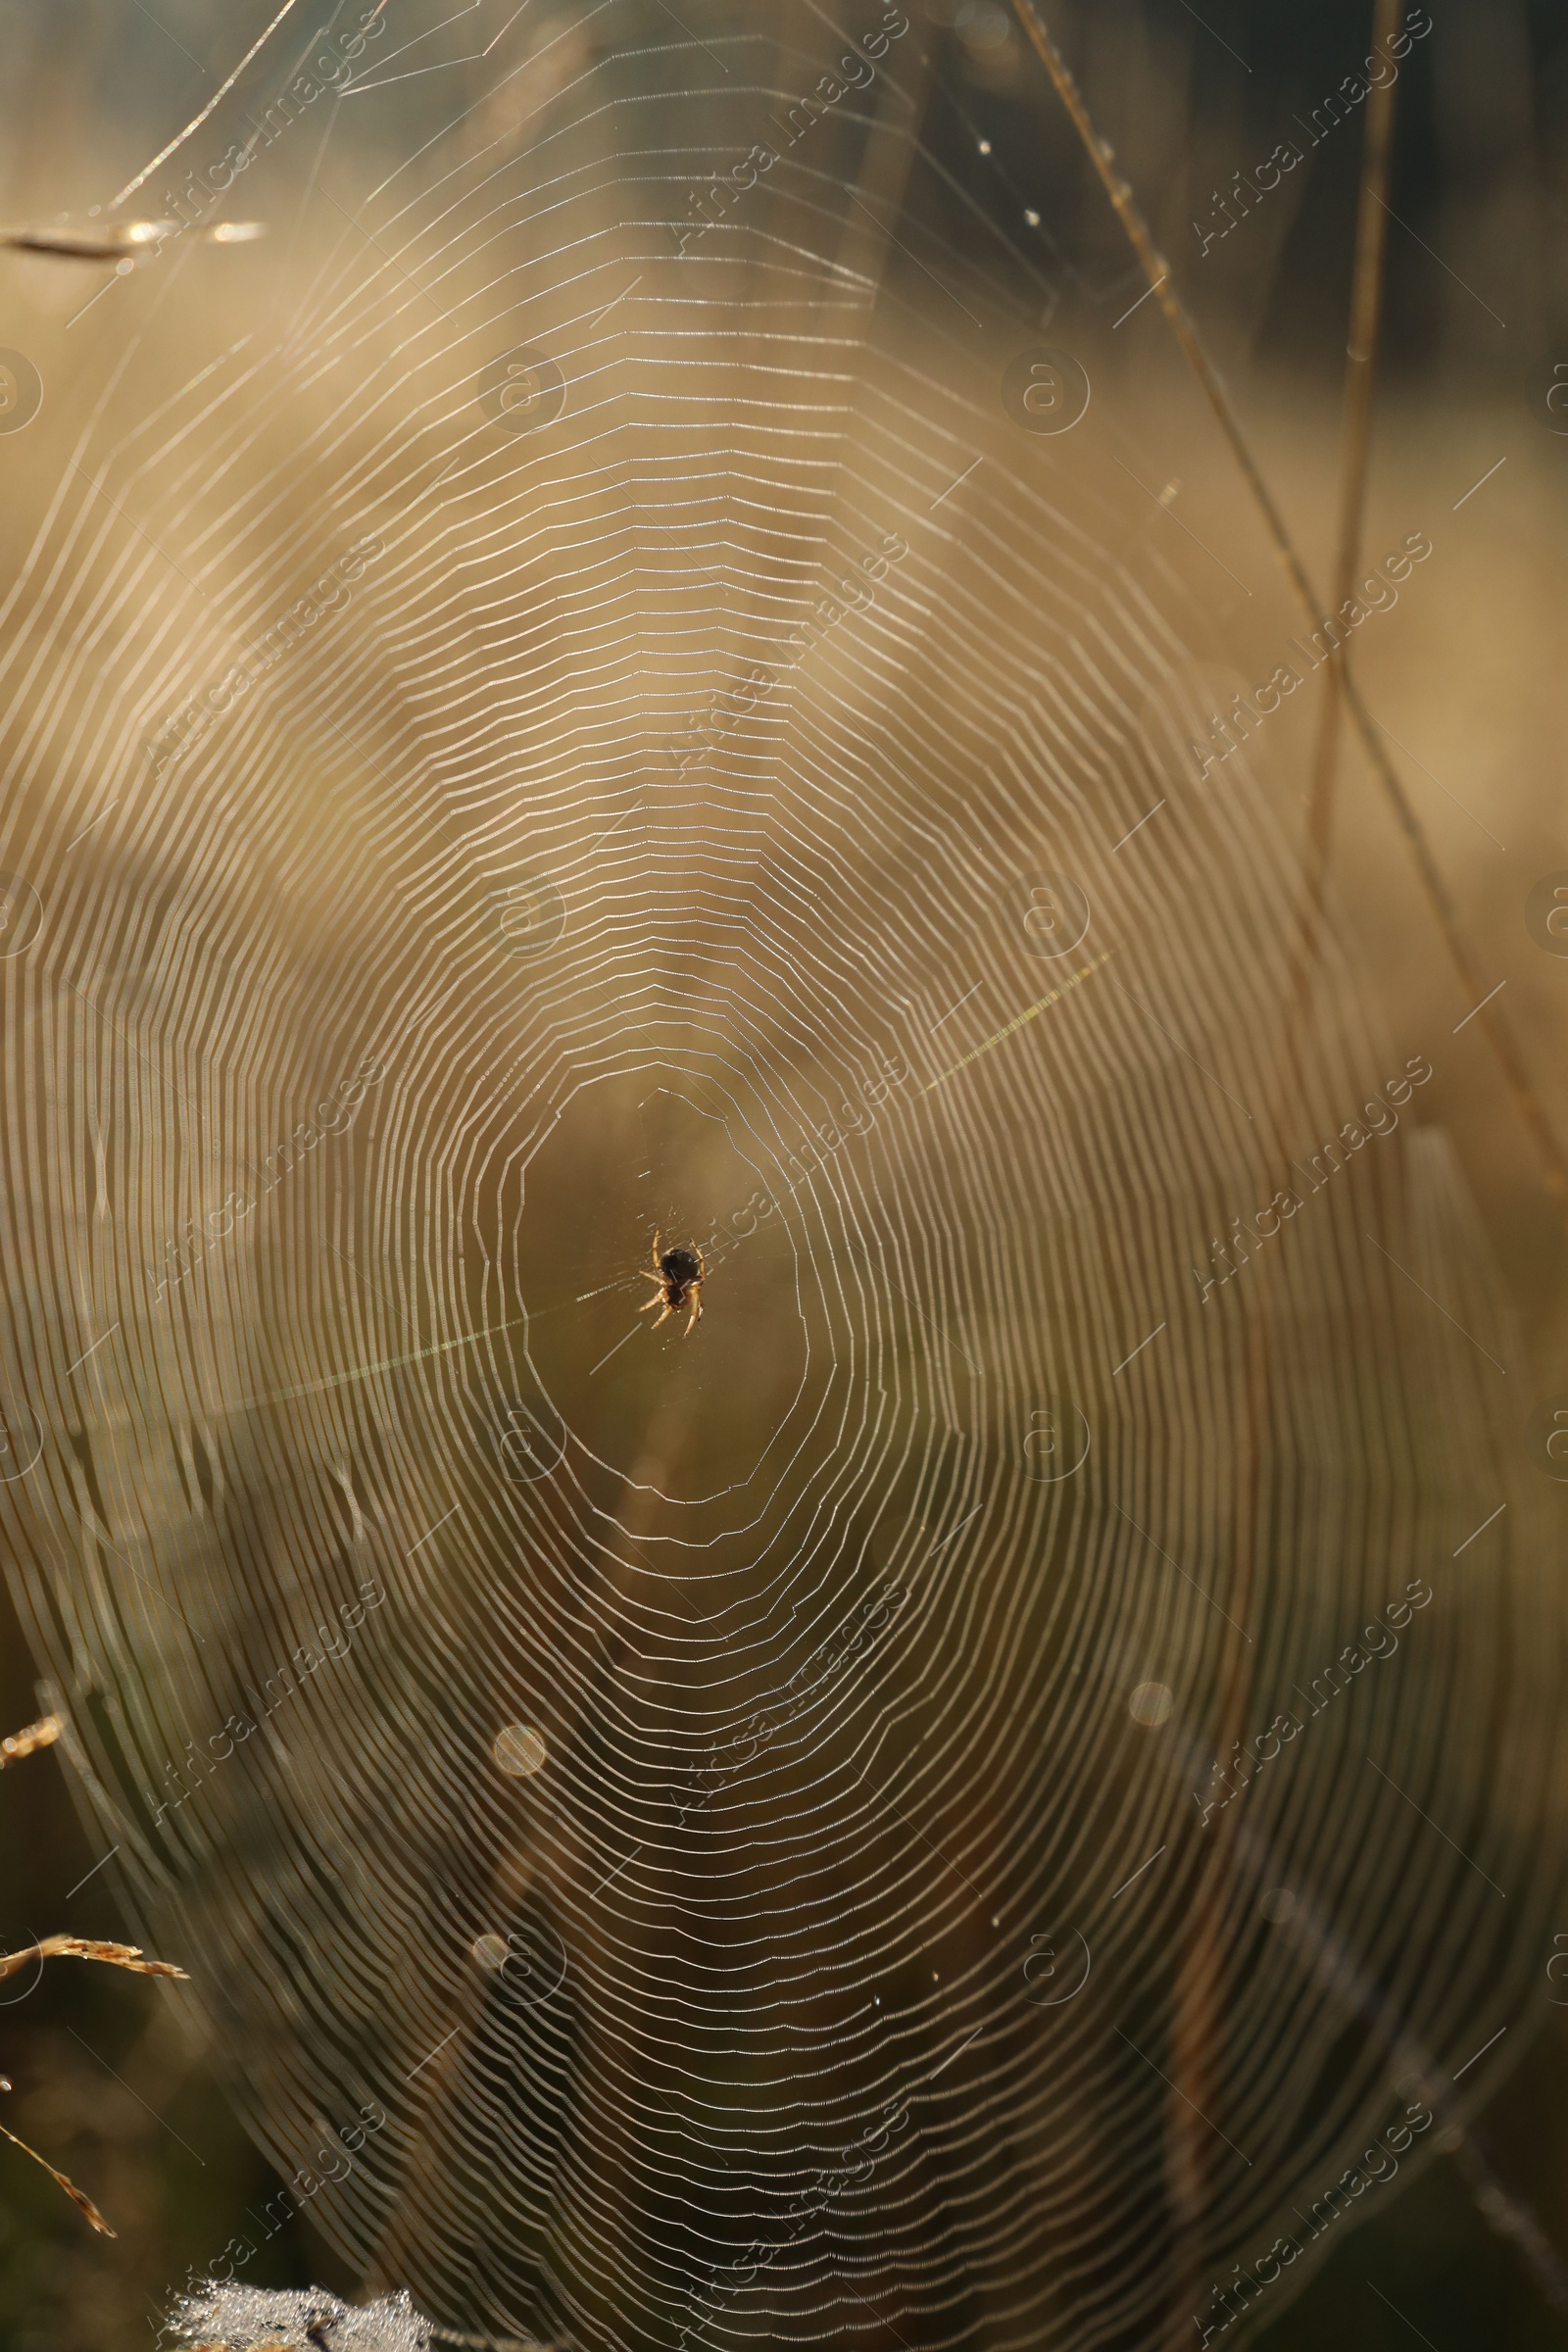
[
  {"x": 84, "y": 1947},
  {"x": 78, "y": 2197}
]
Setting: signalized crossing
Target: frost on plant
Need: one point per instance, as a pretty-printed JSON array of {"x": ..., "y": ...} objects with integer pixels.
[{"x": 247, "y": 2318}]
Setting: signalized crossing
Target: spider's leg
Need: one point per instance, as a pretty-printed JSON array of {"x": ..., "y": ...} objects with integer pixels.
[
  {"x": 658, "y": 1238},
  {"x": 647, "y": 1277},
  {"x": 669, "y": 1310},
  {"x": 656, "y": 1301},
  {"x": 696, "y": 1310}
]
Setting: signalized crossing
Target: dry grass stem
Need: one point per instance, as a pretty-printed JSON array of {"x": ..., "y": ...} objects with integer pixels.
[
  {"x": 76, "y": 1947},
  {"x": 1492, "y": 1020},
  {"x": 69, "y": 1947},
  {"x": 1367, "y": 308},
  {"x": 27, "y": 1742},
  {"x": 78, "y": 2197},
  {"x": 85, "y": 1948}
]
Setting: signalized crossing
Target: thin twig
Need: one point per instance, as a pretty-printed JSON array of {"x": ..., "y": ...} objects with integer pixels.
[
  {"x": 1499, "y": 1034},
  {"x": 1158, "y": 270},
  {"x": 1366, "y": 306}
]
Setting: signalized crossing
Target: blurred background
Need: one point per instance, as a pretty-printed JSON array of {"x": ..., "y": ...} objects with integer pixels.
[{"x": 1473, "y": 373}]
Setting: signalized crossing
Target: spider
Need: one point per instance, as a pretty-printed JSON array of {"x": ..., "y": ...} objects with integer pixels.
[{"x": 679, "y": 1273}]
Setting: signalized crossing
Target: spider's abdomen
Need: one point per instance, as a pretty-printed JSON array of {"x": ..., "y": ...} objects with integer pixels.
[{"x": 680, "y": 1266}]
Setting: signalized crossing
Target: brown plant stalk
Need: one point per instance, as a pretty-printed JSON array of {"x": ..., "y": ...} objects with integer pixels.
[
  {"x": 85, "y": 1948},
  {"x": 77, "y": 1947},
  {"x": 1367, "y": 308},
  {"x": 78, "y": 2196},
  {"x": 1494, "y": 1023},
  {"x": 1194, "y": 2023}
]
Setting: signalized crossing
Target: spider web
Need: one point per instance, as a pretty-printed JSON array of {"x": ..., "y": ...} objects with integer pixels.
[{"x": 744, "y": 1812}]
